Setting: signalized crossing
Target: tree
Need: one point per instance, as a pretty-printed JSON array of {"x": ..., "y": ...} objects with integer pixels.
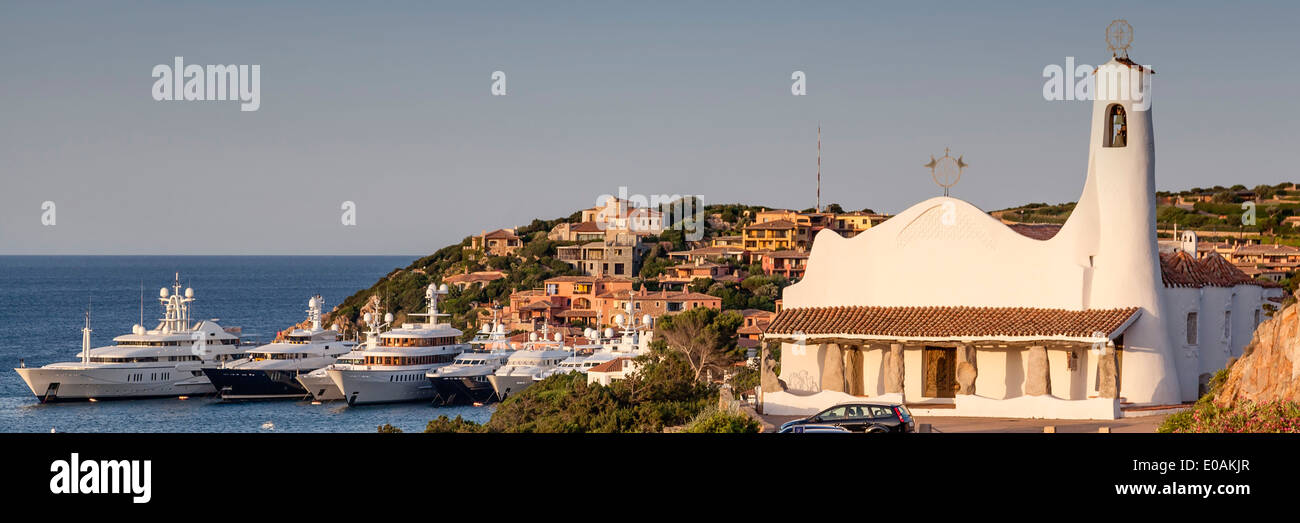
[{"x": 704, "y": 337}]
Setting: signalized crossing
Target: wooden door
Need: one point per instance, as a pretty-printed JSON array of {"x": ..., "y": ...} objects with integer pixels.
[{"x": 940, "y": 376}]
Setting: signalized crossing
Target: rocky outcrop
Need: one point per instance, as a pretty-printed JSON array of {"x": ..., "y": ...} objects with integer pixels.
[{"x": 1269, "y": 367}]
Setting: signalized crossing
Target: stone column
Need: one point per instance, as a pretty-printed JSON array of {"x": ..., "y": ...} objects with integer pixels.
[
  {"x": 966, "y": 369},
  {"x": 1038, "y": 379},
  {"x": 832, "y": 367},
  {"x": 768, "y": 380},
  {"x": 854, "y": 384},
  {"x": 893, "y": 362},
  {"x": 1107, "y": 375}
]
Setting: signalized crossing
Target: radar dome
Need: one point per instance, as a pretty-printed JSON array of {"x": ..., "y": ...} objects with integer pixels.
[
  {"x": 367, "y": 317},
  {"x": 559, "y": 337},
  {"x": 501, "y": 328},
  {"x": 609, "y": 333},
  {"x": 618, "y": 319},
  {"x": 189, "y": 293},
  {"x": 162, "y": 293},
  {"x": 532, "y": 336},
  {"x": 645, "y": 320},
  {"x": 388, "y": 318},
  {"x": 137, "y": 329},
  {"x": 312, "y": 302},
  {"x": 442, "y": 288}
]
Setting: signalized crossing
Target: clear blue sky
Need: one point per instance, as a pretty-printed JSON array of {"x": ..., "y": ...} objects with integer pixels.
[{"x": 389, "y": 106}]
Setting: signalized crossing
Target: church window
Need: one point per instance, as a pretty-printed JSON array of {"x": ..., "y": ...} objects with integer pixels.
[{"x": 1116, "y": 126}]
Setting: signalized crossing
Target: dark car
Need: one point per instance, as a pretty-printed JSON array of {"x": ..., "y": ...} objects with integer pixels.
[{"x": 861, "y": 417}]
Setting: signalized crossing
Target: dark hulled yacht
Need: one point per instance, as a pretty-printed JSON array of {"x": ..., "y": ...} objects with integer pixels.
[
  {"x": 271, "y": 371},
  {"x": 465, "y": 381}
]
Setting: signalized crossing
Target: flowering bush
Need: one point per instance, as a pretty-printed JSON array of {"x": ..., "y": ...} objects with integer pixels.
[{"x": 1273, "y": 416}]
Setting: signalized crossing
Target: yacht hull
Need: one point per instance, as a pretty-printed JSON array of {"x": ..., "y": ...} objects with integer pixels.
[
  {"x": 364, "y": 387},
  {"x": 256, "y": 384},
  {"x": 506, "y": 386},
  {"x": 73, "y": 384},
  {"x": 463, "y": 390},
  {"x": 320, "y": 386}
]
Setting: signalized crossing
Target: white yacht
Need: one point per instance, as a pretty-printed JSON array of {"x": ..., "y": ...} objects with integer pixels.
[
  {"x": 539, "y": 355},
  {"x": 165, "y": 361},
  {"x": 271, "y": 371},
  {"x": 394, "y": 370},
  {"x": 465, "y": 381}
]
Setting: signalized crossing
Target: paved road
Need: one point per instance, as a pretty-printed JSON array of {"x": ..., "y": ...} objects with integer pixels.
[{"x": 961, "y": 424}]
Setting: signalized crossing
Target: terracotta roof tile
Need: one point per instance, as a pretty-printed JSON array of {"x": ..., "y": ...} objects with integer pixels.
[
  {"x": 774, "y": 224},
  {"x": 613, "y": 365},
  {"x": 1179, "y": 269},
  {"x": 942, "y": 322}
]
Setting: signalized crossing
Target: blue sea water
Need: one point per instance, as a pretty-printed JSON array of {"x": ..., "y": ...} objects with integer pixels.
[{"x": 42, "y": 309}]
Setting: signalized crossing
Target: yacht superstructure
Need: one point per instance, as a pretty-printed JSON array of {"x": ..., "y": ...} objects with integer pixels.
[
  {"x": 165, "y": 361},
  {"x": 394, "y": 370},
  {"x": 539, "y": 355},
  {"x": 271, "y": 371}
]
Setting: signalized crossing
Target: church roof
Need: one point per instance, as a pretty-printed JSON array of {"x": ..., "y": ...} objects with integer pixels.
[
  {"x": 1179, "y": 269},
  {"x": 995, "y": 323}
]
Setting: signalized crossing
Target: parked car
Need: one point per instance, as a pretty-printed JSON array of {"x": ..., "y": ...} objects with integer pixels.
[
  {"x": 861, "y": 417},
  {"x": 810, "y": 428}
]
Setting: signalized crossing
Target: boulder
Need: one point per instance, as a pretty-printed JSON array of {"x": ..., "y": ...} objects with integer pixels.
[
  {"x": 1269, "y": 367},
  {"x": 966, "y": 370}
]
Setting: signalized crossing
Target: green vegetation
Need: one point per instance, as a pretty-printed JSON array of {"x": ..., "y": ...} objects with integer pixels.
[
  {"x": 704, "y": 338},
  {"x": 388, "y": 429},
  {"x": 1206, "y": 416},
  {"x": 714, "y": 421},
  {"x": 444, "y": 424},
  {"x": 663, "y": 393}
]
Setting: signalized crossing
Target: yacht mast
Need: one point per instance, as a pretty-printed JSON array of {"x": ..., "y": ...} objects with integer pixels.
[{"x": 85, "y": 338}]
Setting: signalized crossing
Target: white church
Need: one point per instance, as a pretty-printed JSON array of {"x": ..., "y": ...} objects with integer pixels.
[{"x": 955, "y": 313}]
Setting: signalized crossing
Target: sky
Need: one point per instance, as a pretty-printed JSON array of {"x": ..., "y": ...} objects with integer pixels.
[{"x": 390, "y": 107}]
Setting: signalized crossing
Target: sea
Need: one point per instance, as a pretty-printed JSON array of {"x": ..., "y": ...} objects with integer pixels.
[{"x": 43, "y": 302}]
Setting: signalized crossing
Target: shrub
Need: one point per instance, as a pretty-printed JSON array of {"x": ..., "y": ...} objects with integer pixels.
[
  {"x": 1246, "y": 416},
  {"x": 444, "y": 425},
  {"x": 716, "y": 421}
]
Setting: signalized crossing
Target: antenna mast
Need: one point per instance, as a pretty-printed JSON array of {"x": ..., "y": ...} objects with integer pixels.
[{"x": 819, "y": 167}]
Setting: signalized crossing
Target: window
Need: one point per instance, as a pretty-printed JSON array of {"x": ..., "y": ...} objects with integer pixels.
[
  {"x": 1191, "y": 328},
  {"x": 832, "y": 414},
  {"x": 1227, "y": 325},
  {"x": 1116, "y": 126}
]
